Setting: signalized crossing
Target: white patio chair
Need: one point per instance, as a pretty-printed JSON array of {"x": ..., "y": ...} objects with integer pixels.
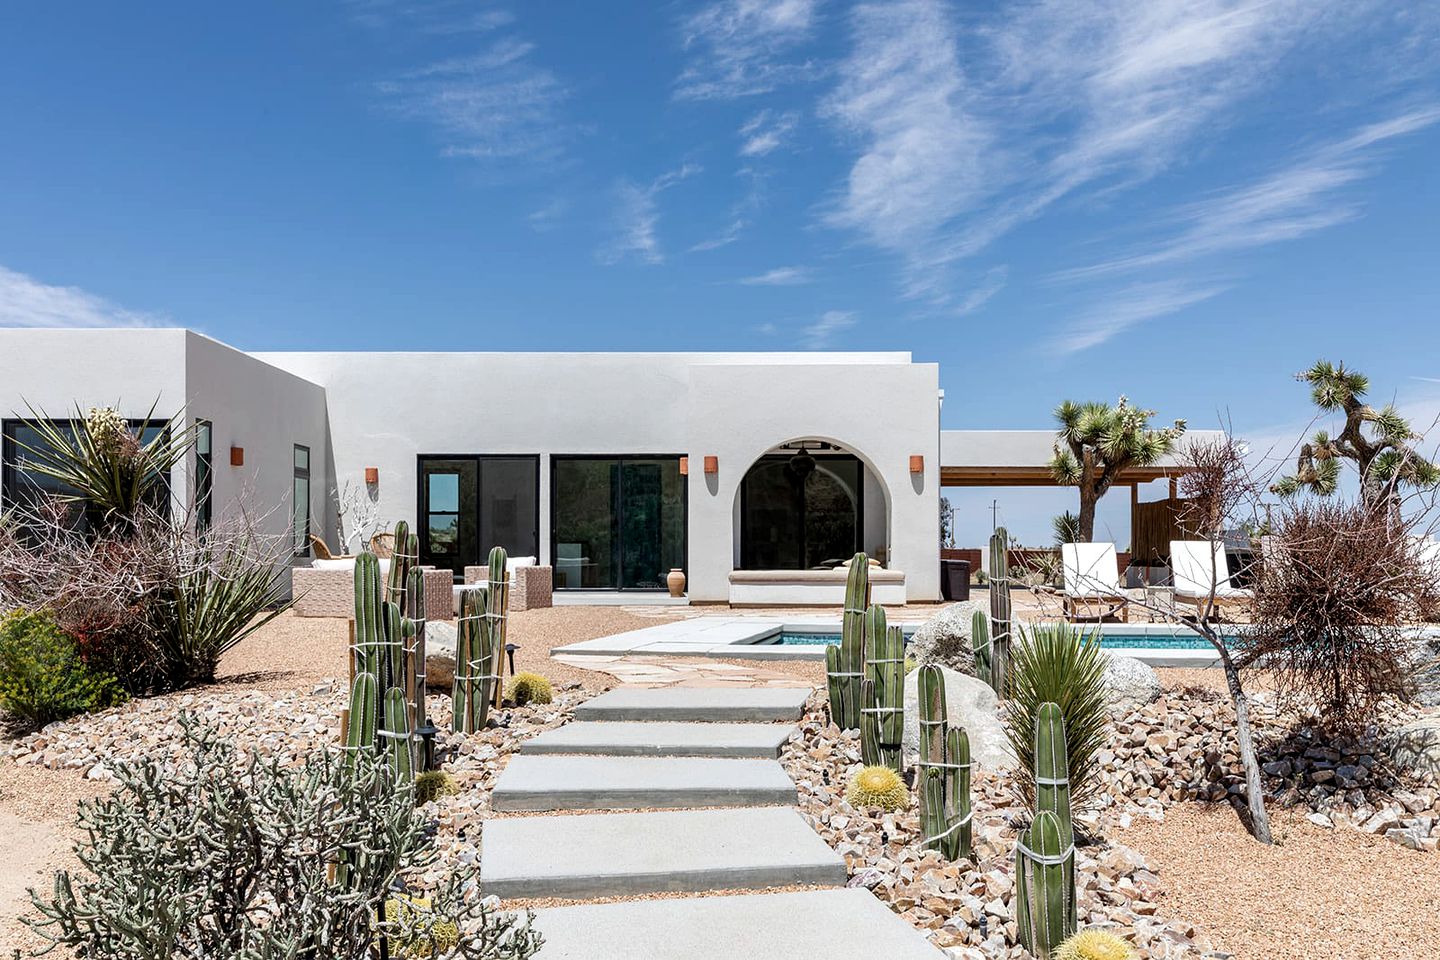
[
  {"x": 1202, "y": 575},
  {"x": 1092, "y": 580}
]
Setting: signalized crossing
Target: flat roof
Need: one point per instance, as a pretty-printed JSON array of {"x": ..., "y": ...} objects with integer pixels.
[{"x": 1021, "y": 458}]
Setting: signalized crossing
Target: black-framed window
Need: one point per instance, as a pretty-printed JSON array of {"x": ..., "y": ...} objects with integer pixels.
[
  {"x": 302, "y": 501},
  {"x": 204, "y": 475},
  {"x": 801, "y": 512},
  {"x": 617, "y": 523},
  {"x": 469, "y": 503},
  {"x": 22, "y": 485}
]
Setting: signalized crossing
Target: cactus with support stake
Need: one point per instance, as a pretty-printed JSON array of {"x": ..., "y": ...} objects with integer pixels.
[
  {"x": 1044, "y": 886},
  {"x": 945, "y": 804},
  {"x": 370, "y": 640},
  {"x": 980, "y": 642},
  {"x": 1052, "y": 782},
  {"x": 1000, "y": 632},
  {"x": 402, "y": 561},
  {"x": 845, "y": 669},
  {"x": 361, "y": 729},
  {"x": 415, "y": 649},
  {"x": 497, "y": 607},
  {"x": 395, "y": 732},
  {"x": 474, "y": 679},
  {"x": 882, "y": 718}
]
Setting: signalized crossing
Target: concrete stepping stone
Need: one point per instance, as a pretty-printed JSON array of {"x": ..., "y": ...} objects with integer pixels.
[
  {"x": 705, "y": 704},
  {"x": 831, "y": 924},
  {"x": 623, "y": 854},
  {"x": 663, "y": 739},
  {"x": 616, "y": 783}
]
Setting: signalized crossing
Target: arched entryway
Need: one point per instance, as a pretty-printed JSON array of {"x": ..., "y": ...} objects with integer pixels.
[{"x": 809, "y": 504}]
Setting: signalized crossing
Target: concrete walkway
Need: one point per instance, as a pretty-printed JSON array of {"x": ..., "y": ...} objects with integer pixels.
[{"x": 657, "y": 751}]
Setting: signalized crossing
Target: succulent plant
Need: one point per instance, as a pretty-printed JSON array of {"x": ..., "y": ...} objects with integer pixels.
[
  {"x": 845, "y": 665},
  {"x": 529, "y": 687},
  {"x": 1095, "y": 945},
  {"x": 1044, "y": 886},
  {"x": 474, "y": 676},
  {"x": 1000, "y": 611},
  {"x": 1051, "y": 773},
  {"x": 497, "y": 606},
  {"x": 402, "y": 560},
  {"x": 415, "y": 652},
  {"x": 980, "y": 640},
  {"x": 433, "y": 784},
  {"x": 945, "y": 805},
  {"x": 882, "y": 716},
  {"x": 877, "y": 787}
]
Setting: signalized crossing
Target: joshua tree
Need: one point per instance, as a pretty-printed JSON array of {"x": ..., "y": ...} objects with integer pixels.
[
  {"x": 1096, "y": 442},
  {"x": 947, "y": 523},
  {"x": 1379, "y": 442}
]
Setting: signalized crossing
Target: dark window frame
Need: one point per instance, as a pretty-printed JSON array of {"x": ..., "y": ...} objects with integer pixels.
[
  {"x": 204, "y": 476},
  {"x": 10, "y": 453},
  {"x": 422, "y": 494},
  {"x": 773, "y": 457},
  {"x": 556, "y": 458},
  {"x": 301, "y": 543}
]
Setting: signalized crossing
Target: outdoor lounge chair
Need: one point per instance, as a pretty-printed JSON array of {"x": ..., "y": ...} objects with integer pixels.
[
  {"x": 1092, "y": 582},
  {"x": 1201, "y": 574}
]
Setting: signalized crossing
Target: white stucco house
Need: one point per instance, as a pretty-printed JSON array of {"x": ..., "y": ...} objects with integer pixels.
[{"x": 750, "y": 472}]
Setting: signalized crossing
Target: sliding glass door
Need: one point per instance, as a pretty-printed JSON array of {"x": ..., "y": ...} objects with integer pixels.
[
  {"x": 619, "y": 522},
  {"x": 469, "y": 504},
  {"x": 801, "y": 512}
]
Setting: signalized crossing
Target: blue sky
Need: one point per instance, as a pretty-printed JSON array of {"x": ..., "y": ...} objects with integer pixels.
[{"x": 1184, "y": 201}]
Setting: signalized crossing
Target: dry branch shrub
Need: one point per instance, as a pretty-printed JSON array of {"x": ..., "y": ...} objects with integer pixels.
[{"x": 1337, "y": 594}]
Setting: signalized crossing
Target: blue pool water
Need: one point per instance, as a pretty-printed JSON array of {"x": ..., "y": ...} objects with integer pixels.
[{"x": 1109, "y": 641}]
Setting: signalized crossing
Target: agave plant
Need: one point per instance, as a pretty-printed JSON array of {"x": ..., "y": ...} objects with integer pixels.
[
  {"x": 106, "y": 463},
  {"x": 1057, "y": 663}
]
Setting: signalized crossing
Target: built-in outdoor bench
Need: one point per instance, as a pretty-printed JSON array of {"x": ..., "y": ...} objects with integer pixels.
[{"x": 817, "y": 588}]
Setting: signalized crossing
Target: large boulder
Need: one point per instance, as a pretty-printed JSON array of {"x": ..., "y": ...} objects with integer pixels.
[
  {"x": 969, "y": 703},
  {"x": 945, "y": 638},
  {"x": 1130, "y": 683},
  {"x": 1425, "y": 674},
  {"x": 1415, "y": 747}
]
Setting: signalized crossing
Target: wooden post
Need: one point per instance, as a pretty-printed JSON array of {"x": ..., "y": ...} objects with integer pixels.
[{"x": 1174, "y": 489}]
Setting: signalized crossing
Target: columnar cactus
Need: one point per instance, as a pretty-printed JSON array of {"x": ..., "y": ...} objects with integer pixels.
[
  {"x": 415, "y": 649},
  {"x": 384, "y": 674},
  {"x": 980, "y": 641},
  {"x": 1000, "y": 611},
  {"x": 945, "y": 808},
  {"x": 882, "y": 718},
  {"x": 845, "y": 666},
  {"x": 404, "y": 558},
  {"x": 474, "y": 678},
  {"x": 395, "y": 732},
  {"x": 1044, "y": 886},
  {"x": 361, "y": 729},
  {"x": 370, "y": 641},
  {"x": 1045, "y": 856},
  {"x": 497, "y": 606}
]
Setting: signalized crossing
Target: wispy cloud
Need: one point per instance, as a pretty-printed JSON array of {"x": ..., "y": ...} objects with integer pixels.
[
  {"x": 1120, "y": 310},
  {"x": 742, "y": 47},
  {"x": 990, "y": 284},
  {"x": 766, "y": 132},
  {"x": 779, "y": 277},
  {"x": 443, "y": 17},
  {"x": 496, "y": 105},
  {"x": 822, "y": 332},
  {"x": 546, "y": 217},
  {"x": 26, "y": 302},
  {"x": 1298, "y": 200},
  {"x": 637, "y": 214},
  {"x": 923, "y": 156},
  {"x": 742, "y": 213},
  {"x": 961, "y": 137}
]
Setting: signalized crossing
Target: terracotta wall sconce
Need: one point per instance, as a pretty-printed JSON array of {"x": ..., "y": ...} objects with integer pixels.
[
  {"x": 237, "y": 456},
  {"x": 684, "y": 466},
  {"x": 712, "y": 464},
  {"x": 917, "y": 463},
  {"x": 372, "y": 476}
]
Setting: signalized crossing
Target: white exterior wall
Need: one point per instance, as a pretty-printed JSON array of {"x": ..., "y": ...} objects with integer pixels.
[{"x": 388, "y": 408}]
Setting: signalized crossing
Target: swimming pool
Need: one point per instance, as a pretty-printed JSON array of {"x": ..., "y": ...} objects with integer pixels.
[{"x": 1112, "y": 637}]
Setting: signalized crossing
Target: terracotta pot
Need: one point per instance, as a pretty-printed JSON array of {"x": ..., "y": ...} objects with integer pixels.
[{"x": 675, "y": 580}]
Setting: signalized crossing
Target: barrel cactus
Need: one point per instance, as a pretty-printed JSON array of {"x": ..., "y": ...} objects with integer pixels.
[
  {"x": 945, "y": 804},
  {"x": 434, "y": 784},
  {"x": 877, "y": 787},
  {"x": 845, "y": 665},
  {"x": 529, "y": 687},
  {"x": 1095, "y": 945}
]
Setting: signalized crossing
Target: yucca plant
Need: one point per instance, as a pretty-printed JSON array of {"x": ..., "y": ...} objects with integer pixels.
[
  {"x": 104, "y": 461},
  {"x": 1057, "y": 663}
]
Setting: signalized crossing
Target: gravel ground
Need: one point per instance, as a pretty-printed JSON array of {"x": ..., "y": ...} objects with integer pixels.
[{"x": 1316, "y": 894}]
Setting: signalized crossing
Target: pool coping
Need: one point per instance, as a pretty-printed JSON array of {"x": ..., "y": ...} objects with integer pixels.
[{"x": 744, "y": 638}]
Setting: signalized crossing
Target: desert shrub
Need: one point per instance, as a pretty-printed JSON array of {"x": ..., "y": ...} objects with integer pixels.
[
  {"x": 1336, "y": 596},
  {"x": 42, "y": 674},
  {"x": 1056, "y": 663},
  {"x": 529, "y": 688},
  {"x": 223, "y": 857},
  {"x": 877, "y": 786}
]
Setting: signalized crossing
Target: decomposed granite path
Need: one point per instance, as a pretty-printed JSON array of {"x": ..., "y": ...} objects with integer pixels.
[{"x": 652, "y": 753}]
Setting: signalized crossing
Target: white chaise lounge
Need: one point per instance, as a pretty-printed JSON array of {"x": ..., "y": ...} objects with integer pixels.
[
  {"x": 1092, "y": 582},
  {"x": 1202, "y": 576}
]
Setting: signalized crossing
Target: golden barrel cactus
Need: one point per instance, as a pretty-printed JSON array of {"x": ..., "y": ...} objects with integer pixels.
[
  {"x": 1095, "y": 945},
  {"x": 877, "y": 786},
  {"x": 529, "y": 688}
]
